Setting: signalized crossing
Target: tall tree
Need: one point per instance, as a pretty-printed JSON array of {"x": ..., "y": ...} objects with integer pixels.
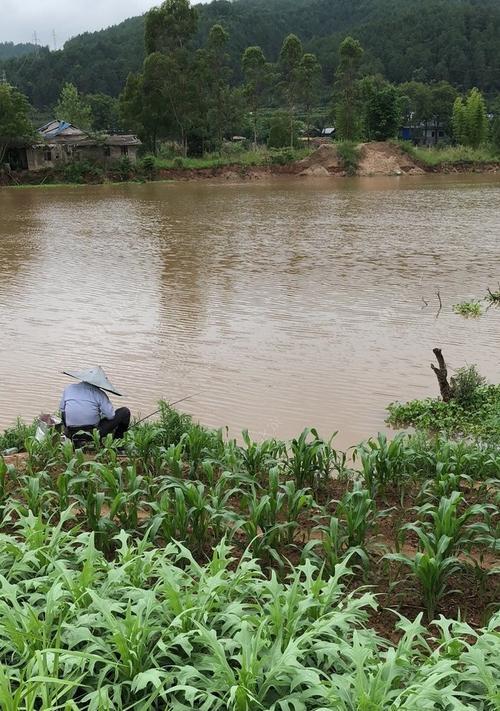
[
  {"x": 470, "y": 119},
  {"x": 72, "y": 108},
  {"x": 257, "y": 72},
  {"x": 347, "y": 108},
  {"x": 14, "y": 122},
  {"x": 459, "y": 121},
  {"x": 105, "y": 112},
  {"x": 381, "y": 109},
  {"x": 418, "y": 105},
  {"x": 214, "y": 76},
  {"x": 309, "y": 84},
  {"x": 290, "y": 60},
  {"x": 476, "y": 118},
  {"x": 443, "y": 95},
  {"x": 167, "y": 84},
  {"x": 170, "y": 26}
]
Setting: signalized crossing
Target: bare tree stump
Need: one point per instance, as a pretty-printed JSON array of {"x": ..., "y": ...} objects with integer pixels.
[{"x": 442, "y": 375}]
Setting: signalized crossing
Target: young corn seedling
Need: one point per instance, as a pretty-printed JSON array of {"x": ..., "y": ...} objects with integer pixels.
[
  {"x": 171, "y": 516},
  {"x": 258, "y": 457},
  {"x": 385, "y": 463},
  {"x": 296, "y": 501},
  {"x": 43, "y": 455},
  {"x": 330, "y": 547},
  {"x": 432, "y": 567},
  {"x": 306, "y": 460},
  {"x": 447, "y": 520},
  {"x": 7, "y": 472},
  {"x": 35, "y": 492},
  {"x": 172, "y": 460},
  {"x": 142, "y": 445},
  {"x": 196, "y": 443},
  {"x": 358, "y": 514}
]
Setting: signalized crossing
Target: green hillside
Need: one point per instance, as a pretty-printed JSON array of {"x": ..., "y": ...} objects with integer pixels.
[
  {"x": 454, "y": 40},
  {"x": 9, "y": 50}
]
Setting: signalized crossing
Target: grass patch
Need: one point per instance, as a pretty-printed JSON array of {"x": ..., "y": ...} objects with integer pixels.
[
  {"x": 450, "y": 155},
  {"x": 349, "y": 153},
  {"x": 244, "y": 159},
  {"x": 16, "y": 435},
  {"x": 468, "y": 309}
]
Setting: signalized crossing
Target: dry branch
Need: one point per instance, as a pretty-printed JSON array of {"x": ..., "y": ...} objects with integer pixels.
[{"x": 442, "y": 375}]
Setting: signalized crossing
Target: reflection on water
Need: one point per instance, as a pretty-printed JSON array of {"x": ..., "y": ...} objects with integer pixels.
[{"x": 286, "y": 304}]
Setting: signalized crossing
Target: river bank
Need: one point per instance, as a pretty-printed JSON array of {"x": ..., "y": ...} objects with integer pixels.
[{"x": 327, "y": 160}]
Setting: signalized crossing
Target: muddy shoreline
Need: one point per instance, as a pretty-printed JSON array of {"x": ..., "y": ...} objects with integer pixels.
[{"x": 375, "y": 160}]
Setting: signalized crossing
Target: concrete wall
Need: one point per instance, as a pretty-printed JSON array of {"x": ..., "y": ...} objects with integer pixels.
[{"x": 38, "y": 157}]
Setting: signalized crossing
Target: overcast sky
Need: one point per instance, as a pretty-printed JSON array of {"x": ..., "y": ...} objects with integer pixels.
[{"x": 19, "y": 19}]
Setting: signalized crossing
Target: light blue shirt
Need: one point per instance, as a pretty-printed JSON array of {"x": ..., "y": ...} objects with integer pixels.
[{"x": 85, "y": 405}]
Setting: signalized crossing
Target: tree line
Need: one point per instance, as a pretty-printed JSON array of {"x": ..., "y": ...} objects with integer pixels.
[
  {"x": 427, "y": 41},
  {"x": 189, "y": 95}
]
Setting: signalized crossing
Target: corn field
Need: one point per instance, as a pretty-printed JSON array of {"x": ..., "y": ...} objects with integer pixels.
[{"x": 197, "y": 572}]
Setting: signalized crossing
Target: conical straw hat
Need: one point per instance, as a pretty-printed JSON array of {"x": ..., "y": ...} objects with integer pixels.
[{"x": 95, "y": 376}]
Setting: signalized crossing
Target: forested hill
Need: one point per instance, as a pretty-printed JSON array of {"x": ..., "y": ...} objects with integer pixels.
[
  {"x": 455, "y": 40},
  {"x": 8, "y": 50}
]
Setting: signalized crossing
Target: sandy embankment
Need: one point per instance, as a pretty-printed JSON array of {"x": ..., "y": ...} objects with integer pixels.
[{"x": 375, "y": 159}]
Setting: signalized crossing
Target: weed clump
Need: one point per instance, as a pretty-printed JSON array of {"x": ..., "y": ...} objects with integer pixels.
[
  {"x": 468, "y": 309},
  {"x": 466, "y": 384},
  {"x": 349, "y": 154}
]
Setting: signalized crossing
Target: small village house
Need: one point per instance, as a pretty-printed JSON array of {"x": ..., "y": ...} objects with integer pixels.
[{"x": 59, "y": 142}]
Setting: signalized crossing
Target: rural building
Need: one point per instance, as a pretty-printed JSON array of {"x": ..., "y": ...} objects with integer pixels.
[
  {"x": 59, "y": 142},
  {"x": 429, "y": 134}
]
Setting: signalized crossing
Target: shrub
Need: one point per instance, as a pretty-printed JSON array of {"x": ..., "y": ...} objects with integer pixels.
[
  {"x": 148, "y": 163},
  {"x": 81, "y": 171},
  {"x": 349, "y": 154},
  {"x": 279, "y": 132},
  {"x": 283, "y": 156},
  {"x": 465, "y": 385},
  {"x": 16, "y": 435},
  {"x": 178, "y": 163},
  {"x": 124, "y": 168}
]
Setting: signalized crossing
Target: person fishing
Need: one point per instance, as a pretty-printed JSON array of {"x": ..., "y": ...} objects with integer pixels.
[{"x": 85, "y": 406}]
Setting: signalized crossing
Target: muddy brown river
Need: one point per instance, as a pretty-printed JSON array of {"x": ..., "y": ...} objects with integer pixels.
[{"x": 284, "y": 303}]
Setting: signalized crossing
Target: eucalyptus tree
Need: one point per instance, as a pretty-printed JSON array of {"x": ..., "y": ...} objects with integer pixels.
[
  {"x": 347, "y": 108},
  {"x": 258, "y": 75}
]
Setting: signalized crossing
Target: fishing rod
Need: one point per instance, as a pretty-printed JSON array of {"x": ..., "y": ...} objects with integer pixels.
[{"x": 170, "y": 404}]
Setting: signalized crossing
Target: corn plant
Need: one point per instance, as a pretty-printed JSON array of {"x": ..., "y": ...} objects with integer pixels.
[
  {"x": 172, "y": 460},
  {"x": 306, "y": 460},
  {"x": 7, "y": 472},
  {"x": 152, "y": 629},
  {"x": 385, "y": 463},
  {"x": 171, "y": 516},
  {"x": 196, "y": 442},
  {"x": 142, "y": 444},
  {"x": 358, "y": 514},
  {"x": 432, "y": 567},
  {"x": 447, "y": 520},
  {"x": 443, "y": 484},
  {"x": 43, "y": 455},
  {"x": 258, "y": 457},
  {"x": 330, "y": 547},
  {"x": 35, "y": 492}
]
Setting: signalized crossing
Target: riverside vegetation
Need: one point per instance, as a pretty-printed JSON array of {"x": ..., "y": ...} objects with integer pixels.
[
  {"x": 197, "y": 572},
  {"x": 194, "y": 93}
]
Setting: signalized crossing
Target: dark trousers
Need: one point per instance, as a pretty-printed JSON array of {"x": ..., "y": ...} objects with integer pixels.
[{"x": 117, "y": 426}]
